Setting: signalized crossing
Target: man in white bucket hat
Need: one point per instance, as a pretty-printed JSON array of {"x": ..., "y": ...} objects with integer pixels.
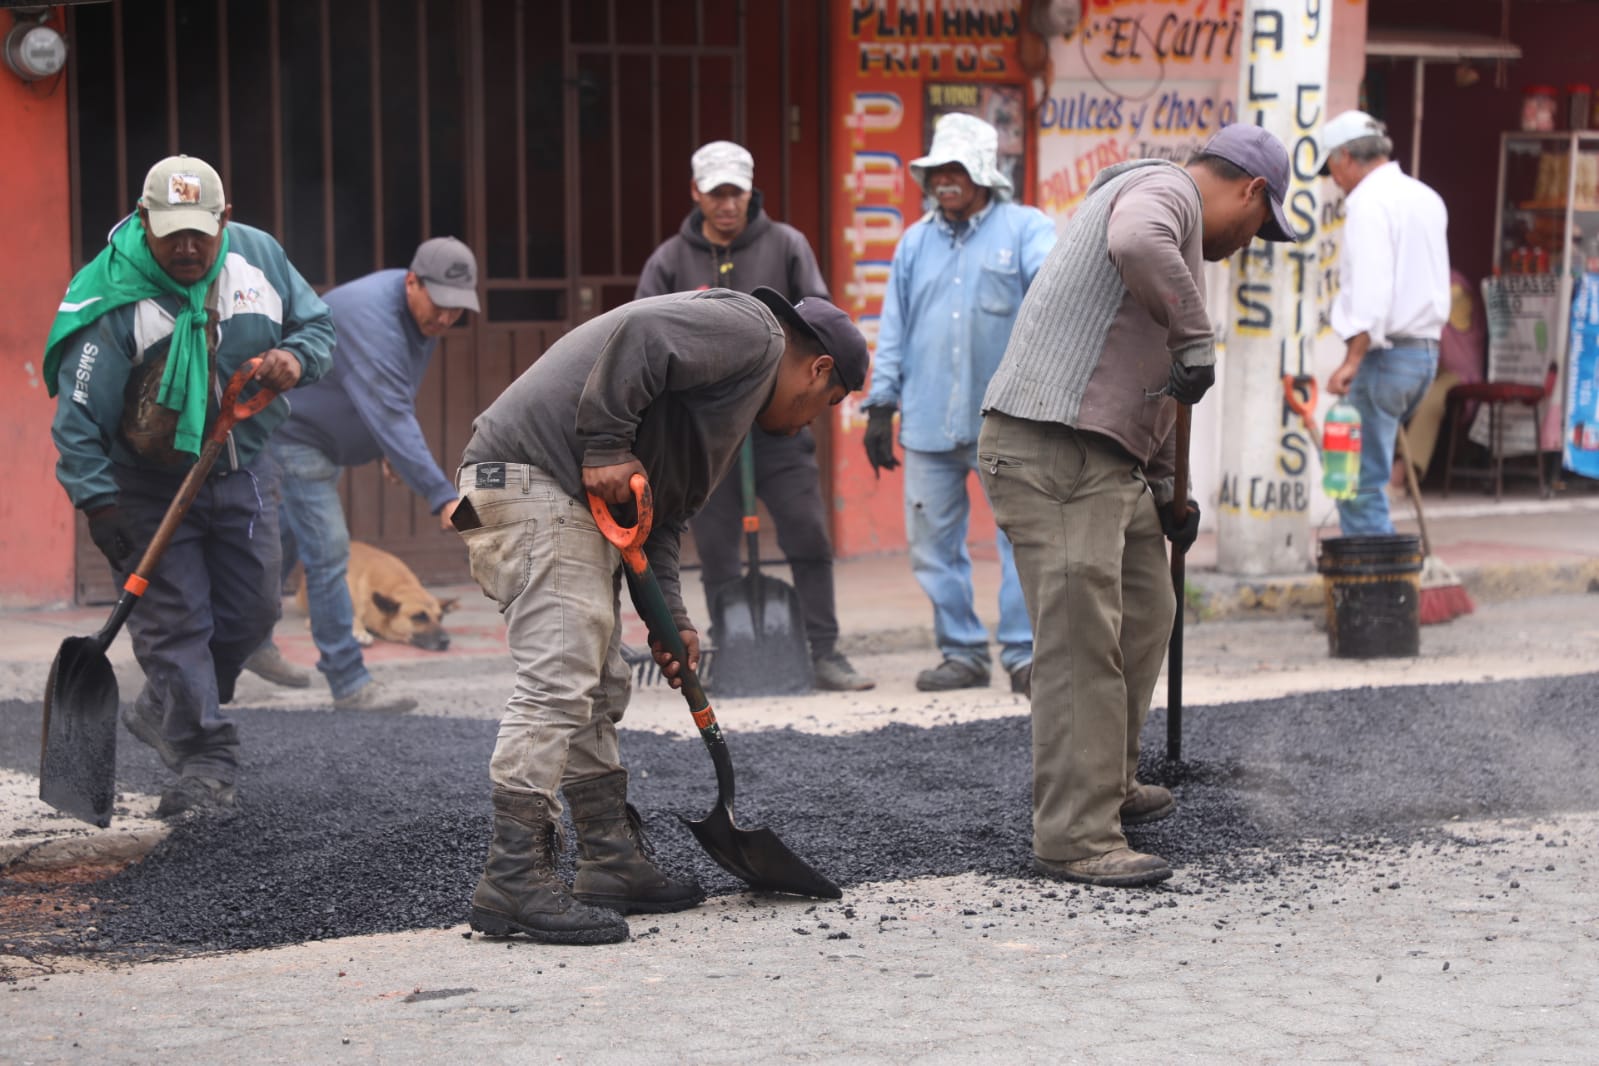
[{"x": 957, "y": 281}]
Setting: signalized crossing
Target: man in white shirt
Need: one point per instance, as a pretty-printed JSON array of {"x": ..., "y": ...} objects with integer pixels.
[{"x": 1392, "y": 302}]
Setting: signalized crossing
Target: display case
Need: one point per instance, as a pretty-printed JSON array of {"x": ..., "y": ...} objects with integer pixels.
[{"x": 1546, "y": 238}]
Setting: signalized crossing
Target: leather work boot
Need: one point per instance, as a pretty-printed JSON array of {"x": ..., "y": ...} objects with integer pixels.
[
  {"x": 519, "y": 891},
  {"x": 375, "y": 697},
  {"x": 616, "y": 865},
  {"x": 834, "y": 673},
  {"x": 142, "y": 722},
  {"x": 268, "y": 662},
  {"x": 201, "y": 795},
  {"x": 1147, "y": 803},
  {"x": 1121, "y": 868},
  {"x": 952, "y": 674}
]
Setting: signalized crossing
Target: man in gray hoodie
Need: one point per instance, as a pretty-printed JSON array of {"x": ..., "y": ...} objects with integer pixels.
[
  {"x": 668, "y": 387},
  {"x": 1077, "y": 454},
  {"x": 729, "y": 242}
]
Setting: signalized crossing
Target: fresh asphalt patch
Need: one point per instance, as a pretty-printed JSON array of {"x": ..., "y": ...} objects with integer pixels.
[{"x": 355, "y": 823}]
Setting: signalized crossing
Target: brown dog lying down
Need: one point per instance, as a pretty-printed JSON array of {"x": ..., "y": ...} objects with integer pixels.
[{"x": 390, "y": 603}]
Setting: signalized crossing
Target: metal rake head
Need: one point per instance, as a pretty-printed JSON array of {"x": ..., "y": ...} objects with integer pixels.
[{"x": 646, "y": 671}]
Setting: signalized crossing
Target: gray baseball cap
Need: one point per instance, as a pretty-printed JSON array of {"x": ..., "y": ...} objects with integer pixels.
[
  {"x": 183, "y": 192},
  {"x": 449, "y": 271},
  {"x": 1260, "y": 155},
  {"x": 828, "y": 325}
]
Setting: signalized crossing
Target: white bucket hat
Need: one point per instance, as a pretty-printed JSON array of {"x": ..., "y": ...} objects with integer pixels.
[{"x": 969, "y": 141}]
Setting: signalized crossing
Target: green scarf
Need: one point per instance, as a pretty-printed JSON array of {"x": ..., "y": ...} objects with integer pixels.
[{"x": 123, "y": 273}]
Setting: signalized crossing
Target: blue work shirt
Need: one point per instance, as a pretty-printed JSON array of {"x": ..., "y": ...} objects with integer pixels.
[
  {"x": 365, "y": 408},
  {"x": 953, "y": 293}
]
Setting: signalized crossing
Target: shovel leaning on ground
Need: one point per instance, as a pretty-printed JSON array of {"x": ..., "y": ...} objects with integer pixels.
[
  {"x": 756, "y": 856},
  {"x": 78, "y": 756},
  {"x": 760, "y": 630}
]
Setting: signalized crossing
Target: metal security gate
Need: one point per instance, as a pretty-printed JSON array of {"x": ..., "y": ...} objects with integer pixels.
[{"x": 553, "y": 136}]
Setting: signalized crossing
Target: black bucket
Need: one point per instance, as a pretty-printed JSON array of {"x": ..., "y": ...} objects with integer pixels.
[{"x": 1373, "y": 596}]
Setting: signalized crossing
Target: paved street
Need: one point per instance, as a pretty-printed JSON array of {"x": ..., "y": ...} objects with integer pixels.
[{"x": 1377, "y": 861}]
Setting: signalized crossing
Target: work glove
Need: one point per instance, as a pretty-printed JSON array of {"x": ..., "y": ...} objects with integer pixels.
[
  {"x": 1181, "y": 534},
  {"x": 880, "y": 438},
  {"x": 114, "y": 539},
  {"x": 1188, "y": 384}
]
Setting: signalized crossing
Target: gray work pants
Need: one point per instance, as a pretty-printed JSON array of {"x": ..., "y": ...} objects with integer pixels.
[
  {"x": 541, "y": 558},
  {"x": 213, "y": 599},
  {"x": 1093, "y": 566}
]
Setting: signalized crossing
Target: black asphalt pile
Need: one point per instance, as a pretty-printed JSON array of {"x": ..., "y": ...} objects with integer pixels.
[{"x": 353, "y": 823}]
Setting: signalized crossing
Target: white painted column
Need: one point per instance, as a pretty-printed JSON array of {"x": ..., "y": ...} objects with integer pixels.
[{"x": 1268, "y": 471}]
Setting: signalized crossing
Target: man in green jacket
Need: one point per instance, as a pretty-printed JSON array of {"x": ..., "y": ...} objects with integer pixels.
[{"x": 144, "y": 340}]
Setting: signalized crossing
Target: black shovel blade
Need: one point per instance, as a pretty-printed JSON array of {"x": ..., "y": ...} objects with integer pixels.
[
  {"x": 758, "y": 857},
  {"x": 78, "y": 760},
  {"x": 760, "y": 639}
]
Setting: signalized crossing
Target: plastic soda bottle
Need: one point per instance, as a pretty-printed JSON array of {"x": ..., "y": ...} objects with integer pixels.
[{"x": 1340, "y": 452}]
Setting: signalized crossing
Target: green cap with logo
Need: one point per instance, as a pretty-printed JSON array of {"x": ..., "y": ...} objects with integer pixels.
[{"x": 183, "y": 192}]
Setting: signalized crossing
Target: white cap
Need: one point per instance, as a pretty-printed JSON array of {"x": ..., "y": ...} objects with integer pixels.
[
  {"x": 183, "y": 192},
  {"x": 1349, "y": 126},
  {"x": 723, "y": 163}
]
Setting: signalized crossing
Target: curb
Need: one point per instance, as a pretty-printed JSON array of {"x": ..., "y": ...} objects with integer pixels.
[{"x": 1219, "y": 596}]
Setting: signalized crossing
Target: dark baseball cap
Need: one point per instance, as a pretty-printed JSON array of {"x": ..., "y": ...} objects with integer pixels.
[
  {"x": 1260, "y": 155},
  {"x": 449, "y": 271},
  {"x": 830, "y": 326}
]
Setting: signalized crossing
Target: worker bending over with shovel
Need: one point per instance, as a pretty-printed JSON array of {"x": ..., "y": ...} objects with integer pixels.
[
  {"x": 666, "y": 386},
  {"x": 1077, "y": 453}
]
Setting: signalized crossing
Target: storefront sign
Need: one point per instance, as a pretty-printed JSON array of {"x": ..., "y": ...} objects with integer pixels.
[
  {"x": 1279, "y": 290},
  {"x": 898, "y": 64},
  {"x": 1522, "y": 311},
  {"x": 1581, "y": 449},
  {"x": 1137, "y": 79}
]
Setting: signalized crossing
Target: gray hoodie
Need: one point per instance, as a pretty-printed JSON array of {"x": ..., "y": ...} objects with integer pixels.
[
  {"x": 674, "y": 381},
  {"x": 765, "y": 253}
]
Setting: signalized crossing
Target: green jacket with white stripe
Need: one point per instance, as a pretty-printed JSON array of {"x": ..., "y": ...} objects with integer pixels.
[{"x": 261, "y": 301}]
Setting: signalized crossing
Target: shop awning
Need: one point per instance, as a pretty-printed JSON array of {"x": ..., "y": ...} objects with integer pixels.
[{"x": 1441, "y": 45}]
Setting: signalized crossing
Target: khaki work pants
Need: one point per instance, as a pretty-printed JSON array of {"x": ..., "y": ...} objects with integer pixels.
[
  {"x": 539, "y": 555},
  {"x": 1093, "y": 567}
]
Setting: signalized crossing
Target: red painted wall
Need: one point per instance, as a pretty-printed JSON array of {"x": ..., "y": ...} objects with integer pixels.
[{"x": 36, "y": 522}]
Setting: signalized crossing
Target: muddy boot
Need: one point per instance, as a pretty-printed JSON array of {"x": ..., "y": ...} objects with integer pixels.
[
  {"x": 616, "y": 865},
  {"x": 520, "y": 892}
]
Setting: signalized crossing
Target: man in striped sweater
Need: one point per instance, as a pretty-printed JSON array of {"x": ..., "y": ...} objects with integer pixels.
[{"x": 1077, "y": 453}]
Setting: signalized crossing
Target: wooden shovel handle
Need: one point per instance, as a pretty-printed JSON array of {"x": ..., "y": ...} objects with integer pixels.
[{"x": 230, "y": 413}]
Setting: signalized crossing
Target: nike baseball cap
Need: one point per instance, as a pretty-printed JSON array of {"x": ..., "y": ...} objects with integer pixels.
[
  {"x": 448, "y": 269},
  {"x": 829, "y": 326}
]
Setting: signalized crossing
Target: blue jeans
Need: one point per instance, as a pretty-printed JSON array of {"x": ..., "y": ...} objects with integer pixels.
[
  {"x": 1387, "y": 388},
  {"x": 315, "y": 515},
  {"x": 937, "y": 511}
]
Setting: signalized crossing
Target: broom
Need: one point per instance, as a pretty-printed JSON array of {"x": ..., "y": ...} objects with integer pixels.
[{"x": 1443, "y": 597}]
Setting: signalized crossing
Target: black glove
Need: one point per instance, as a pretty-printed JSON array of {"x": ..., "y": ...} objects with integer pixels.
[
  {"x": 114, "y": 539},
  {"x": 1188, "y": 384},
  {"x": 1181, "y": 534},
  {"x": 880, "y": 438}
]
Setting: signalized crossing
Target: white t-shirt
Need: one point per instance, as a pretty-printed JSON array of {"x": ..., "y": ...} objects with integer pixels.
[{"x": 1393, "y": 272}]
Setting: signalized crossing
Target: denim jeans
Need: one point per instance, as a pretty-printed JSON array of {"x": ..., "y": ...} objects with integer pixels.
[
  {"x": 937, "y": 511},
  {"x": 315, "y": 515},
  {"x": 1387, "y": 388}
]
